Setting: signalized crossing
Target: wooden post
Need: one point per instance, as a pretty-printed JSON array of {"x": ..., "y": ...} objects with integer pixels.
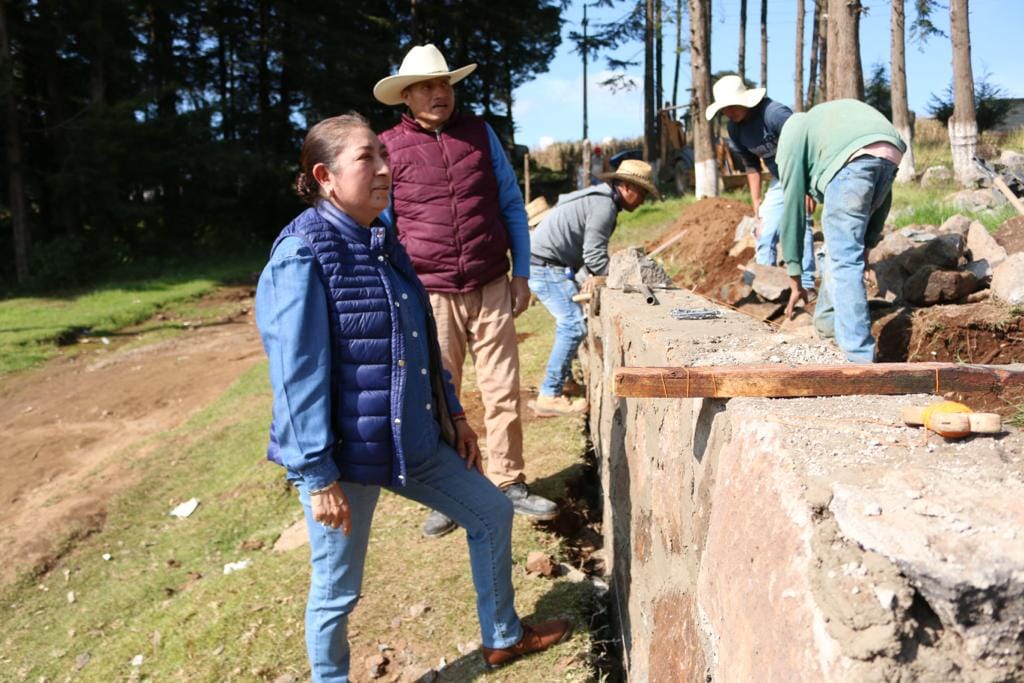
[
  {"x": 782, "y": 381},
  {"x": 526, "y": 178}
]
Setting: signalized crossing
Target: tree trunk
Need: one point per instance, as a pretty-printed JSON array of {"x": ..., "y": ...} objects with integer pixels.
[
  {"x": 705, "y": 168},
  {"x": 764, "y": 43},
  {"x": 845, "y": 74},
  {"x": 823, "y": 54},
  {"x": 812, "y": 80},
  {"x": 263, "y": 68},
  {"x": 742, "y": 63},
  {"x": 679, "y": 52},
  {"x": 798, "y": 73},
  {"x": 659, "y": 86},
  {"x": 12, "y": 140},
  {"x": 963, "y": 125},
  {"x": 900, "y": 109},
  {"x": 650, "y": 134}
]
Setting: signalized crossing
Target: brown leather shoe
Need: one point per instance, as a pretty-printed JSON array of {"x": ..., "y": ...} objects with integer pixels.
[{"x": 535, "y": 638}]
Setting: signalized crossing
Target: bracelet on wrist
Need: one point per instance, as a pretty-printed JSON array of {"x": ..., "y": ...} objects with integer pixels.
[
  {"x": 322, "y": 491},
  {"x": 460, "y": 418}
]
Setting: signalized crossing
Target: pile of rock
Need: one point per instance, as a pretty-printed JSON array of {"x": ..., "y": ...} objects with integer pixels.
[
  {"x": 955, "y": 262},
  {"x": 980, "y": 195}
]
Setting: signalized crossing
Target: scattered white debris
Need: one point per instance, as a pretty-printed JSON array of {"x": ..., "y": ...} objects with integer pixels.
[
  {"x": 104, "y": 340},
  {"x": 185, "y": 509},
  {"x": 231, "y": 567},
  {"x": 137, "y": 661},
  {"x": 886, "y": 597},
  {"x": 71, "y": 597},
  {"x": 67, "y": 575},
  {"x": 107, "y": 557}
]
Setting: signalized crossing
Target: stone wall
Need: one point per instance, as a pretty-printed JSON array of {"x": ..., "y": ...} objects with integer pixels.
[{"x": 811, "y": 539}]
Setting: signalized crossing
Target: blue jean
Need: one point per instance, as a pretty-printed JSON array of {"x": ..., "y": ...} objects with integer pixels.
[
  {"x": 555, "y": 288},
  {"x": 440, "y": 480},
  {"x": 766, "y": 251},
  {"x": 857, "y": 200}
]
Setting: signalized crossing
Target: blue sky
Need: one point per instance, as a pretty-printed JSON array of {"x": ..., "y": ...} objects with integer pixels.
[{"x": 551, "y": 106}]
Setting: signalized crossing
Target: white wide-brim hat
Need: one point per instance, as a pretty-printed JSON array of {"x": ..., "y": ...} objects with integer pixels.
[
  {"x": 423, "y": 63},
  {"x": 730, "y": 91},
  {"x": 636, "y": 172}
]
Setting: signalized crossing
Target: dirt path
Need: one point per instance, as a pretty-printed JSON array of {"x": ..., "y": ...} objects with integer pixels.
[{"x": 70, "y": 426}]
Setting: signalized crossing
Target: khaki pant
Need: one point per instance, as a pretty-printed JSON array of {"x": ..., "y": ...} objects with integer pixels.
[{"x": 482, "y": 320}]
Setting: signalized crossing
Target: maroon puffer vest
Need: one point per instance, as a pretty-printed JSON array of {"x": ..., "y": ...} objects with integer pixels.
[{"x": 446, "y": 203}]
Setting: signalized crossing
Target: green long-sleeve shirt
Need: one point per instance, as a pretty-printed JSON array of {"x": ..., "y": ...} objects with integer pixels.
[{"x": 813, "y": 147}]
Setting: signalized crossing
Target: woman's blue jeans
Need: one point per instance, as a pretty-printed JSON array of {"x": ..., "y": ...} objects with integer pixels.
[
  {"x": 766, "y": 251},
  {"x": 857, "y": 201},
  {"x": 555, "y": 288},
  {"x": 440, "y": 481}
]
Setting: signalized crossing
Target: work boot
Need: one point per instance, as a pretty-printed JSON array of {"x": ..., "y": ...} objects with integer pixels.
[
  {"x": 530, "y": 504},
  {"x": 437, "y": 525},
  {"x": 535, "y": 638},
  {"x": 556, "y": 406}
]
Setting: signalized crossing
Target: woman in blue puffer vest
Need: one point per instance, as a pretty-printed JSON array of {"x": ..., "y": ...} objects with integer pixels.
[{"x": 361, "y": 400}]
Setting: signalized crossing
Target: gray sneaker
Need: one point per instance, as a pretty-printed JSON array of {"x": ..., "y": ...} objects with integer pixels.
[
  {"x": 529, "y": 504},
  {"x": 437, "y": 525}
]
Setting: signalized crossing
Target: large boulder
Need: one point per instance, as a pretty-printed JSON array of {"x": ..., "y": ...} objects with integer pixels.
[
  {"x": 943, "y": 250},
  {"x": 1010, "y": 235},
  {"x": 929, "y": 286},
  {"x": 1011, "y": 161},
  {"x": 985, "y": 253},
  {"x": 975, "y": 201},
  {"x": 936, "y": 175},
  {"x": 1008, "y": 280},
  {"x": 769, "y": 282},
  {"x": 957, "y": 223}
]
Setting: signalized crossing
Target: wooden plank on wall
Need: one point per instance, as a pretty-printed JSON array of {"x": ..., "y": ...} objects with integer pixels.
[{"x": 781, "y": 381}]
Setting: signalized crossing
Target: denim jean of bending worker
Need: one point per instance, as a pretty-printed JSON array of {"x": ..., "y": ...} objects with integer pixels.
[
  {"x": 437, "y": 479},
  {"x": 555, "y": 288},
  {"x": 856, "y": 200},
  {"x": 771, "y": 222}
]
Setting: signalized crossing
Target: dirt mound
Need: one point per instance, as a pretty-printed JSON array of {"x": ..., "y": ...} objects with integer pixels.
[
  {"x": 701, "y": 255},
  {"x": 1010, "y": 235}
]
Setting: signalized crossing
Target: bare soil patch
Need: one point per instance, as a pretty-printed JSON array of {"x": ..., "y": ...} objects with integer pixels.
[
  {"x": 702, "y": 255},
  {"x": 72, "y": 426}
]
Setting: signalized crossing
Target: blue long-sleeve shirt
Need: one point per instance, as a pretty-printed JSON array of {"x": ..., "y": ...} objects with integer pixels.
[
  {"x": 291, "y": 311},
  {"x": 510, "y": 199}
]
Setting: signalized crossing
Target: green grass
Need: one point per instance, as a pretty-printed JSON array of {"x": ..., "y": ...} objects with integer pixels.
[
  {"x": 913, "y": 204},
  {"x": 33, "y": 328},
  {"x": 644, "y": 224},
  {"x": 163, "y": 594}
]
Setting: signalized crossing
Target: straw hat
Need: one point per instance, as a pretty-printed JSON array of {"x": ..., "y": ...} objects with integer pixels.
[
  {"x": 730, "y": 91},
  {"x": 636, "y": 172},
  {"x": 422, "y": 63}
]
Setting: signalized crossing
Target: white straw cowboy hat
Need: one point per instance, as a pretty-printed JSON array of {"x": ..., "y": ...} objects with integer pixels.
[
  {"x": 730, "y": 91},
  {"x": 423, "y": 63},
  {"x": 636, "y": 172}
]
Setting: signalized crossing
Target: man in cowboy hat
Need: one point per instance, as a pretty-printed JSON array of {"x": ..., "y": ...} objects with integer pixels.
[
  {"x": 755, "y": 124},
  {"x": 572, "y": 238},
  {"x": 458, "y": 211}
]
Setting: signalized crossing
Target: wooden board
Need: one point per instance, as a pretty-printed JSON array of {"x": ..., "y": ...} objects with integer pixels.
[{"x": 814, "y": 380}]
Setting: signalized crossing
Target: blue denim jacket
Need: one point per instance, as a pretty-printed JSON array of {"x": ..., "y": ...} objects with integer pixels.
[{"x": 327, "y": 400}]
